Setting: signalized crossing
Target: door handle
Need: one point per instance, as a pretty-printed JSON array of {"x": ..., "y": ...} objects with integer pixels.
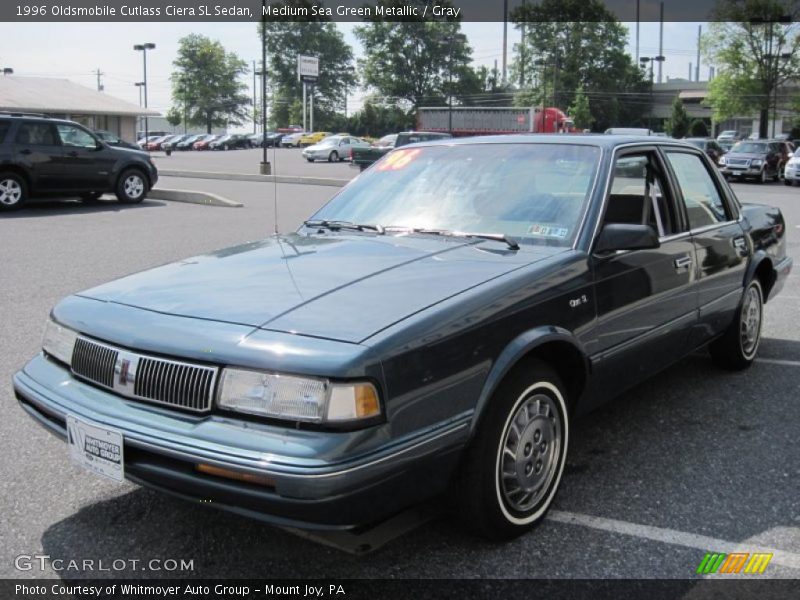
[
  {"x": 25, "y": 151},
  {"x": 683, "y": 262}
]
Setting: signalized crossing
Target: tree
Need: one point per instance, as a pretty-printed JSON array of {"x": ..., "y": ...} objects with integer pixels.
[
  {"x": 698, "y": 128},
  {"x": 678, "y": 124},
  {"x": 315, "y": 36},
  {"x": 206, "y": 81},
  {"x": 580, "y": 111},
  {"x": 174, "y": 116},
  {"x": 571, "y": 44},
  {"x": 420, "y": 62},
  {"x": 756, "y": 48}
]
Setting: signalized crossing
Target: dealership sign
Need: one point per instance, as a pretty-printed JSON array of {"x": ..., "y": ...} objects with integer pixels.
[{"x": 307, "y": 68}]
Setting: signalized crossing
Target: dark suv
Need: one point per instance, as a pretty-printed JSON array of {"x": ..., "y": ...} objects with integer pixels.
[
  {"x": 755, "y": 159},
  {"x": 45, "y": 157}
]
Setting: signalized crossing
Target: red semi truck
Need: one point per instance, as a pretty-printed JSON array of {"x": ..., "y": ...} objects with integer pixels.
[{"x": 496, "y": 120}]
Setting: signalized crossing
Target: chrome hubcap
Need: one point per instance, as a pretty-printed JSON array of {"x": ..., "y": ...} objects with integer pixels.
[
  {"x": 750, "y": 326},
  {"x": 10, "y": 192},
  {"x": 134, "y": 186},
  {"x": 530, "y": 452}
]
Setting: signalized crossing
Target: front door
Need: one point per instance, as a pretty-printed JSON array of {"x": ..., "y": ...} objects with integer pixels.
[
  {"x": 646, "y": 299},
  {"x": 88, "y": 164}
]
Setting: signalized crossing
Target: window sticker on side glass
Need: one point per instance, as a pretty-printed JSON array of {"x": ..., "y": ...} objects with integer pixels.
[{"x": 548, "y": 230}]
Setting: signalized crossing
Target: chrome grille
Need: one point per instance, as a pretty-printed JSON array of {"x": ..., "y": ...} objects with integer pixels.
[
  {"x": 739, "y": 162},
  {"x": 94, "y": 361},
  {"x": 141, "y": 377},
  {"x": 180, "y": 384}
]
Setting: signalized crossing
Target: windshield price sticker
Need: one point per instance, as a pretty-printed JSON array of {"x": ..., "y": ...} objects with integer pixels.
[
  {"x": 548, "y": 231},
  {"x": 399, "y": 159}
]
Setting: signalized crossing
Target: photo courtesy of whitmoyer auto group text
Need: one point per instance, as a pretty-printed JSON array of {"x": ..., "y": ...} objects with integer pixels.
[{"x": 399, "y": 299}]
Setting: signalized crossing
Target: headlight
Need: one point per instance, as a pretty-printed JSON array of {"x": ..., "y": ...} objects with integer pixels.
[
  {"x": 756, "y": 162},
  {"x": 721, "y": 160},
  {"x": 793, "y": 162},
  {"x": 59, "y": 341},
  {"x": 297, "y": 398}
]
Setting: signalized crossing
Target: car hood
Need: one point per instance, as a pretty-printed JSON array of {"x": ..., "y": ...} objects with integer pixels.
[
  {"x": 749, "y": 155},
  {"x": 336, "y": 286}
]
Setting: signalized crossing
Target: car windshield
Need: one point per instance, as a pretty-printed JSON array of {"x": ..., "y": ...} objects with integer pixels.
[
  {"x": 330, "y": 141},
  {"x": 750, "y": 148},
  {"x": 535, "y": 193}
]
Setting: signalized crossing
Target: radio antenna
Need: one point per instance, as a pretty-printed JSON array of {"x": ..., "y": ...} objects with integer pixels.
[{"x": 275, "y": 186}]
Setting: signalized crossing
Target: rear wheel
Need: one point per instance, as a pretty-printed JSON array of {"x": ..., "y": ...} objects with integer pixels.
[
  {"x": 131, "y": 187},
  {"x": 737, "y": 348},
  {"x": 13, "y": 191},
  {"x": 513, "y": 468}
]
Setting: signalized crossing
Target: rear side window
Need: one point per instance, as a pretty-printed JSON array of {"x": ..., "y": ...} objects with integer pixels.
[
  {"x": 36, "y": 134},
  {"x": 704, "y": 204},
  {"x": 4, "y": 127}
]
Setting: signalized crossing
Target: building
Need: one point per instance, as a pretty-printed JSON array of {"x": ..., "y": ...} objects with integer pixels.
[
  {"x": 64, "y": 99},
  {"x": 693, "y": 94}
]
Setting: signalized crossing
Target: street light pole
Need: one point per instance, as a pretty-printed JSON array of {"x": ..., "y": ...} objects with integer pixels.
[
  {"x": 140, "y": 85},
  {"x": 144, "y": 48}
]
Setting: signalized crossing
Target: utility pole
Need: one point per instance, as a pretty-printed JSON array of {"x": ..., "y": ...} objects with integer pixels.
[
  {"x": 637, "y": 32},
  {"x": 505, "y": 38},
  {"x": 255, "y": 94},
  {"x": 660, "y": 40},
  {"x": 522, "y": 48},
  {"x": 100, "y": 86},
  {"x": 265, "y": 168},
  {"x": 697, "y": 65}
]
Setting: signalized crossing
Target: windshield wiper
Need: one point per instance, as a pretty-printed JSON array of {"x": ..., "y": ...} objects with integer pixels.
[
  {"x": 337, "y": 225},
  {"x": 497, "y": 237}
]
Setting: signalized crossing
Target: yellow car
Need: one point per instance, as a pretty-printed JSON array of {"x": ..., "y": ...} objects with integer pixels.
[{"x": 310, "y": 139}]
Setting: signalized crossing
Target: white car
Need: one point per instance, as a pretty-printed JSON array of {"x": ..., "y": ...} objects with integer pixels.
[
  {"x": 292, "y": 140},
  {"x": 791, "y": 172},
  {"x": 333, "y": 148}
]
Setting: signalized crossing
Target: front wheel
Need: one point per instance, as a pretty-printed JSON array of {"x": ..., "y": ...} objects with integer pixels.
[
  {"x": 513, "y": 468},
  {"x": 333, "y": 156},
  {"x": 737, "y": 348},
  {"x": 131, "y": 187},
  {"x": 13, "y": 191},
  {"x": 762, "y": 178}
]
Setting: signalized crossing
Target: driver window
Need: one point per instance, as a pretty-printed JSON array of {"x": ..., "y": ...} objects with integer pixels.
[
  {"x": 75, "y": 137},
  {"x": 637, "y": 195}
]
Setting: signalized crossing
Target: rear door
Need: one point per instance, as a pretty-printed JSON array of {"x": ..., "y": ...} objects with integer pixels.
[
  {"x": 37, "y": 149},
  {"x": 646, "y": 299},
  {"x": 720, "y": 244}
]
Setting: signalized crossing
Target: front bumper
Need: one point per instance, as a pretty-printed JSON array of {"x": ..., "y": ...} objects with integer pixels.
[
  {"x": 741, "y": 171},
  {"x": 163, "y": 446}
]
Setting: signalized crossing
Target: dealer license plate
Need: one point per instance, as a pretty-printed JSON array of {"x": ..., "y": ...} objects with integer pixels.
[{"x": 97, "y": 449}]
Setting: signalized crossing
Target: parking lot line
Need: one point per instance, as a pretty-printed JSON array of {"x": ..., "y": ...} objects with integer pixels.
[
  {"x": 778, "y": 361},
  {"x": 672, "y": 536}
]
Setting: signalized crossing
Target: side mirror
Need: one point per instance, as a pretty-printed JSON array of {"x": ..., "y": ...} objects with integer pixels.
[{"x": 624, "y": 236}]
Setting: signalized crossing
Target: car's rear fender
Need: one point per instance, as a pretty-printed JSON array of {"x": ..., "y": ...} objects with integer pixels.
[{"x": 552, "y": 344}]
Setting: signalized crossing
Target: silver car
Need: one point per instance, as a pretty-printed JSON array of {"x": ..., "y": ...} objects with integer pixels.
[{"x": 333, "y": 148}]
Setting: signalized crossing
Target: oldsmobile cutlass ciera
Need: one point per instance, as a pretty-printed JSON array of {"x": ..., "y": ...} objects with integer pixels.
[{"x": 436, "y": 326}]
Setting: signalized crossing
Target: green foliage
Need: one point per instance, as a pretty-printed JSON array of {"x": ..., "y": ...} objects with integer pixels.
[
  {"x": 754, "y": 54},
  {"x": 377, "y": 120},
  {"x": 316, "y": 36},
  {"x": 580, "y": 110},
  {"x": 698, "y": 128},
  {"x": 679, "y": 122},
  {"x": 580, "y": 44},
  {"x": 206, "y": 79},
  {"x": 174, "y": 116},
  {"x": 418, "y": 62}
]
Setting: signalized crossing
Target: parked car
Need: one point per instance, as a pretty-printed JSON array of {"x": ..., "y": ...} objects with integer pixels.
[
  {"x": 730, "y": 134},
  {"x": 387, "y": 141},
  {"x": 726, "y": 145},
  {"x": 188, "y": 143},
  {"x": 334, "y": 148},
  {"x": 172, "y": 143},
  {"x": 47, "y": 157},
  {"x": 791, "y": 172},
  {"x": 709, "y": 146},
  {"x": 291, "y": 140},
  {"x": 309, "y": 139},
  {"x": 205, "y": 142},
  {"x": 231, "y": 141},
  {"x": 142, "y": 142},
  {"x": 156, "y": 143},
  {"x": 112, "y": 139},
  {"x": 364, "y": 157},
  {"x": 759, "y": 160},
  {"x": 406, "y": 353}
]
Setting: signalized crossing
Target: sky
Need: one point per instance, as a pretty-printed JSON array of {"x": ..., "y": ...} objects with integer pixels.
[{"x": 75, "y": 51}]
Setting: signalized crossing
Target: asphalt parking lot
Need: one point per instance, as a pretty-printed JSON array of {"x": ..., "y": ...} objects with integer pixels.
[{"x": 694, "y": 460}]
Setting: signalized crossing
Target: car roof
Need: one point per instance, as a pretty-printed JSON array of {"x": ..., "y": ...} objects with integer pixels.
[{"x": 602, "y": 140}]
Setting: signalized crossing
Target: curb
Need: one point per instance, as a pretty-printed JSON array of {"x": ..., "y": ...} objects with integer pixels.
[
  {"x": 192, "y": 197},
  {"x": 254, "y": 177}
]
